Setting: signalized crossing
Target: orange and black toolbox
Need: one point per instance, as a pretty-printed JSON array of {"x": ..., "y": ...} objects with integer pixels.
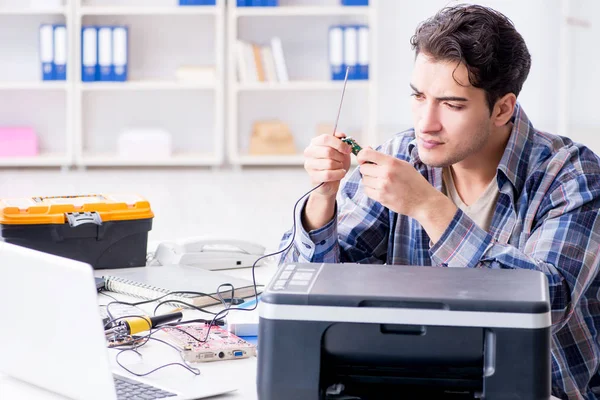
[{"x": 103, "y": 230}]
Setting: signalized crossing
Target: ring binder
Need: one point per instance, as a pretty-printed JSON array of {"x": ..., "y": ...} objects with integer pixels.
[{"x": 152, "y": 282}]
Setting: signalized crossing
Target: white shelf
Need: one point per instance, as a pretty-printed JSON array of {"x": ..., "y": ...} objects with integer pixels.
[
  {"x": 145, "y": 85},
  {"x": 33, "y": 11},
  {"x": 301, "y": 11},
  {"x": 123, "y": 10},
  {"x": 300, "y": 85},
  {"x": 187, "y": 159},
  {"x": 292, "y": 159},
  {"x": 35, "y": 85},
  {"x": 42, "y": 160}
]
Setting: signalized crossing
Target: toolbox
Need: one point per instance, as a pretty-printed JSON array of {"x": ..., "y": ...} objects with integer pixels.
[{"x": 103, "y": 230}]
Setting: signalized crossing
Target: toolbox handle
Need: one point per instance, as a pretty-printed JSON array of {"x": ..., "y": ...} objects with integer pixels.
[{"x": 80, "y": 218}]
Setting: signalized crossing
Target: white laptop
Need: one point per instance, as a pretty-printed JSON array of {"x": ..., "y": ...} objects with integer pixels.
[{"x": 53, "y": 336}]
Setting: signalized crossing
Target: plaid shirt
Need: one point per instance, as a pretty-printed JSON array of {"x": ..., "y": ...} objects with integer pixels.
[{"x": 546, "y": 219}]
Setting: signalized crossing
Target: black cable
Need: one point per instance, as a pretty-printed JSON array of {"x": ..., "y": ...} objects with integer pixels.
[
  {"x": 293, "y": 236},
  {"x": 217, "y": 316},
  {"x": 149, "y": 337}
]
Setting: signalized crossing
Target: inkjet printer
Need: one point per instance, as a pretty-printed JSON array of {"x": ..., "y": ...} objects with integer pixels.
[{"x": 359, "y": 331}]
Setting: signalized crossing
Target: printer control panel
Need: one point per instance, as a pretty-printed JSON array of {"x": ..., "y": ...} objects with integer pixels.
[{"x": 294, "y": 278}]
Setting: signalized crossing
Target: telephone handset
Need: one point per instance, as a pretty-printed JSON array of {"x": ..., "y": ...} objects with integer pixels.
[{"x": 208, "y": 253}]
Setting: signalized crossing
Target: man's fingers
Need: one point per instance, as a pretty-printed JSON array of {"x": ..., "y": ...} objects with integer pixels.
[
  {"x": 367, "y": 154},
  {"x": 368, "y": 169},
  {"x": 324, "y": 152},
  {"x": 370, "y": 182},
  {"x": 322, "y": 164},
  {"x": 333, "y": 142},
  {"x": 328, "y": 175}
]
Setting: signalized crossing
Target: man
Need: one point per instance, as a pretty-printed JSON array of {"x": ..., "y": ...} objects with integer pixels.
[{"x": 472, "y": 185}]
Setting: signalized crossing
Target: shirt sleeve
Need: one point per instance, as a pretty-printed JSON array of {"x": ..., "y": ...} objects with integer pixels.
[
  {"x": 563, "y": 243},
  {"x": 357, "y": 233}
]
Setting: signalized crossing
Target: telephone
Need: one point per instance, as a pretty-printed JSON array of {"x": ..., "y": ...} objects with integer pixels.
[{"x": 211, "y": 254}]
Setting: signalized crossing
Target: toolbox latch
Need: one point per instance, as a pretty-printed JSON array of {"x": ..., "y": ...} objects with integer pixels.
[{"x": 80, "y": 218}]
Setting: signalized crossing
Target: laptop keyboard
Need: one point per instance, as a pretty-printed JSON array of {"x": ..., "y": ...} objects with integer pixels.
[{"x": 129, "y": 389}]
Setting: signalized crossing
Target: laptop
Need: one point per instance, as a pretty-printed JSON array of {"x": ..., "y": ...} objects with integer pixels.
[{"x": 53, "y": 336}]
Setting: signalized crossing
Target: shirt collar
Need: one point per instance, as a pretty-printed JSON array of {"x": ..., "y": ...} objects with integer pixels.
[{"x": 513, "y": 165}]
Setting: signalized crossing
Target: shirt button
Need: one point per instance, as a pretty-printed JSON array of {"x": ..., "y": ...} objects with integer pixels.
[{"x": 322, "y": 242}]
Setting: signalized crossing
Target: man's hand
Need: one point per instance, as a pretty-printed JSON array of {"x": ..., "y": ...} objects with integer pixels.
[
  {"x": 399, "y": 187},
  {"x": 327, "y": 159}
]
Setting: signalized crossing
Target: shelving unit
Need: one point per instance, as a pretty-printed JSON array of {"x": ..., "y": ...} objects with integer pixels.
[
  {"x": 309, "y": 98},
  {"x": 192, "y": 112},
  {"x": 26, "y": 100}
]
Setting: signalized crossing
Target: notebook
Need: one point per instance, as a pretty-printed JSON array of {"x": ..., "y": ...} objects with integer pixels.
[{"x": 151, "y": 282}]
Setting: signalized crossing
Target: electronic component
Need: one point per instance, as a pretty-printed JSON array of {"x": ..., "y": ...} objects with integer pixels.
[
  {"x": 220, "y": 345},
  {"x": 355, "y": 146}
]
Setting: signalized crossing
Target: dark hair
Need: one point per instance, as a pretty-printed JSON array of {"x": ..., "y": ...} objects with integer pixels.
[{"x": 484, "y": 40}]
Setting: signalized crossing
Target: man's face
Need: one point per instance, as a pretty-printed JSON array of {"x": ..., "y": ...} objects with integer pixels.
[{"x": 452, "y": 121}]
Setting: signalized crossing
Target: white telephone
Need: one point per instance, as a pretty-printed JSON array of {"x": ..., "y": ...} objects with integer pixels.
[{"x": 212, "y": 254}]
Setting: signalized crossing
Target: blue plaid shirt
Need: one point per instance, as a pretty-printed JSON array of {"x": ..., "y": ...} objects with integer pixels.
[{"x": 546, "y": 219}]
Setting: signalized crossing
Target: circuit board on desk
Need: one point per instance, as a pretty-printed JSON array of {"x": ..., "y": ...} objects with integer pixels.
[{"x": 220, "y": 345}]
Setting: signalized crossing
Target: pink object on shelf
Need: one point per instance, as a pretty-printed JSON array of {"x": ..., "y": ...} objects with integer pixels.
[{"x": 18, "y": 142}]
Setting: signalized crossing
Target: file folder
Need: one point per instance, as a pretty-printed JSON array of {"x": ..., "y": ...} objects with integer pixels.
[
  {"x": 363, "y": 52},
  {"x": 46, "y": 44},
  {"x": 89, "y": 53},
  {"x": 355, "y": 2},
  {"x": 60, "y": 52},
  {"x": 336, "y": 52},
  {"x": 351, "y": 50},
  {"x": 120, "y": 53},
  {"x": 105, "y": 63}
]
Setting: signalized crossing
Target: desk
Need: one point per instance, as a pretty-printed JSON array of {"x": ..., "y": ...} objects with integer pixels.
[{"x": 155, "y": 353}]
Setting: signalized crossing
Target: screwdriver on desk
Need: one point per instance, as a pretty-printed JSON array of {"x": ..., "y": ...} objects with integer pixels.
[{"x": 133, "y": 325}]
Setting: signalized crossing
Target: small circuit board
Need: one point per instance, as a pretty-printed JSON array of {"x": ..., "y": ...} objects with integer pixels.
[
  {"x": 351, "y": 142},
  {"x": 220, "y": 345}
]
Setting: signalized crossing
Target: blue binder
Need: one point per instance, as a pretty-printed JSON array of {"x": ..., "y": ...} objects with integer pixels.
[
  {"x": 351, "y": 50},
  {"x": 105, "y": 54},
  {"x": 243, "y": 3},
  {"x": 46, "y": 45},
  {"x": 197, "y": 2},
  {"x": 336, "y": 52},
  {"x": 120, "y": 53},
  {"x": 89, "y": 53},
  {"x": 363, "y": 52},
  {"x": 355, "y": 2},
  {"x": 60, "y": 52}
]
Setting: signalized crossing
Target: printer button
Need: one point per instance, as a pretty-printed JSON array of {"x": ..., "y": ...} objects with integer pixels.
[
  {"x": 303, "y": 276},
  {"x": 285, "y": 274},
  {"x": 298, "y": 283}
]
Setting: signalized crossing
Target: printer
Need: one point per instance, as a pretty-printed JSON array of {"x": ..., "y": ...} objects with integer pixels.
[{"x": 364, "y": 331}]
